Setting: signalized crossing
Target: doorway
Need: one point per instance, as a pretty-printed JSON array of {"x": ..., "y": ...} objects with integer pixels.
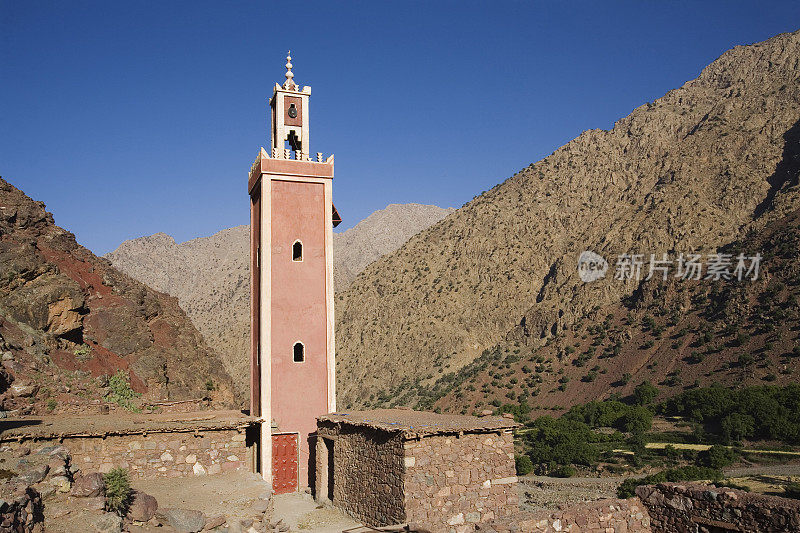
[{"x": 329, "y": 450}]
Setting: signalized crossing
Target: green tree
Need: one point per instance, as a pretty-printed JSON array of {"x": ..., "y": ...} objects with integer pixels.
[
  {"x": 644, "y": 393},
  {"x": 524, "y": 464},
  {"x": 717, "y": 456},
  {"x": 737, "y": 426}
]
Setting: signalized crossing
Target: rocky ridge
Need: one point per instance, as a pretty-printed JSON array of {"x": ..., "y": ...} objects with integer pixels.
[
  {"x": 69, "y": 320},
  {"x": 697, "y": 169}
]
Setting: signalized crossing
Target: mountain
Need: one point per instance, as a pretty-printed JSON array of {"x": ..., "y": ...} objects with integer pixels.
[
  {"x": 709, "y": 164},
  {"x": 210, "y": 275},
  {"x": 67, "y": 316},
  {"x": 382, "y": 232}
]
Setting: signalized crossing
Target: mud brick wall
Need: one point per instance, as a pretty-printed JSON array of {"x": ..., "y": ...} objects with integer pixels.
[
  {"x": 453, "y": 482},
  {"x": 698, "y": 507},
  {"x": 367, "y": 473},
  {"x": 162, "y": 454},
  {"x": 602, "y": 516}
]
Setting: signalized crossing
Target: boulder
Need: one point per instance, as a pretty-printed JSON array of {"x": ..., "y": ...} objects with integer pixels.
[
  {"x": 143, "y": 507},
  {"x": 214, "y": 523},
  {"x": 105, "y": 523},
  {"x": 89, "y": 485},
  {"x": 183, "y": 520},
  {"x": 96, "y": 503},
  {"x": 34, "y": 475},
  {"x": 61, "y": 483},
  {"x": 260, "y": 506},
  {"x": 23, "y": 390}
]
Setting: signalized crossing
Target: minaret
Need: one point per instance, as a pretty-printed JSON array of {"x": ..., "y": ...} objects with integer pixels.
[{"x": 291, "y": 248}]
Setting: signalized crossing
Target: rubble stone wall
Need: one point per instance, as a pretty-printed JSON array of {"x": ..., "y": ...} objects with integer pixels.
[
  {"x": 693, "y": 506},
  {"x": 453, "y": 482},
  {"x": 21, "y": 511},
  {"x": 601, "y": 516},
  {"x": 367, "y": 473},
  {"x": 162, "y": 454}
]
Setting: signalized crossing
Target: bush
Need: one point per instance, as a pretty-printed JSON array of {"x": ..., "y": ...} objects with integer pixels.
[
  {"x": 524, "y": 464},
  {"x": 717, "y": 457},
  {"x": 792, "y": 490},
  {"x": 118, "y": 491},
  {"x": 627, "y": 488},
  {"x": 563, "y": 471},
  {"x": 644, "y": 393},
  {"x": 121, "y": 392},
  {"x": 737, "y": 426},
  {"x": 560, "y": 441}
]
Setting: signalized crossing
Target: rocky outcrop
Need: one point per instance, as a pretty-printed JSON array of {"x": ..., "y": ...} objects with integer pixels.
[
  {"x": 210, "y": 275},
  {"x": 67, "y": 316},
  {"x": 697, "y": 169}
]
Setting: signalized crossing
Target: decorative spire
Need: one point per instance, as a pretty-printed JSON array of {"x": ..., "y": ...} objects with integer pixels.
[{"x": 289, "y": 83}]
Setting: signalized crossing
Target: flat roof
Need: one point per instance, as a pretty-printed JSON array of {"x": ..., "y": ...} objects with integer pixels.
[
  {"x": 116, "y": 423},
  {"x": 419, "y": 423}
]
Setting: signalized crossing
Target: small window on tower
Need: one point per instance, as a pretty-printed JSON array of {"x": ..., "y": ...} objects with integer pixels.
[
  {"x": 299, "y": 352},
  {"x": 297, "y": 251}
]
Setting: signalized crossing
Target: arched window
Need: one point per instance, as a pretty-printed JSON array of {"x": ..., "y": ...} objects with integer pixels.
[
  {"x": 299, "y": 352},
  {"x": 297, "y": 251}
]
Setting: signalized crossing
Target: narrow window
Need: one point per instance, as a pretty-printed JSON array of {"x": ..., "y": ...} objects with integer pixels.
[
  {"x": 299, "y": 352},
  {"x": 297, "y": 251}
]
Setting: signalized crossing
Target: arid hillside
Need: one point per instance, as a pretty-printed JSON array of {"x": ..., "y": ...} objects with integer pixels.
[
  {"x": 708, "y": 164},
  {"x": 68, "y": 317},
  {"x": 677, "y": 334},
  {"x": 210, "y": 275}
]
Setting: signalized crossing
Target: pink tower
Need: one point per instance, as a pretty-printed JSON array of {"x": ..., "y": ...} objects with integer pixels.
[{"x": 291, "y": 251}]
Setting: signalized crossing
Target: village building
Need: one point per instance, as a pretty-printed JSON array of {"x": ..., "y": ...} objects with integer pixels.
[{"x": 438, "y": 472}]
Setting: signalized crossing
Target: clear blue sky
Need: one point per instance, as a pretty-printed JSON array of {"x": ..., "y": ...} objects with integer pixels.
[{"x": 129, "y": 118}]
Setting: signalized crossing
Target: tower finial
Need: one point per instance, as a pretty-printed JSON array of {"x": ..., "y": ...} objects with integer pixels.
[{"x": 289, "y": 74}]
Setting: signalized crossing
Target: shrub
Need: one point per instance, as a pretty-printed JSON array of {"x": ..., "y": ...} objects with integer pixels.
[
  {"x": 792, "y": 490},
  {"x": 716, "y": 457},
  {"x": 118, "y": 491},
  {"x": 560, "y": 441},
  {"x": 83, "y": 350},
  {"x": 120, "y": 391},
  {"x": 737, "y": 426},
  {"x": 524, "y": 464},
  {"x": 644, "y": 393},
  {"x": 563, "y": 471}
]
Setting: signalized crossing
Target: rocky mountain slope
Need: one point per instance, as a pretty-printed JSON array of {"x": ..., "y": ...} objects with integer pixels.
[
  {"x": 382, "y": 232},
  {"x": 210, "y": 275},
  {"x": 704, "y": 166},
  {"x": 67, "y": 316}
]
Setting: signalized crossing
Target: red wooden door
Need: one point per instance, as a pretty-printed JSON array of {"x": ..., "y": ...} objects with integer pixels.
[{"x": 284, "y": 462}]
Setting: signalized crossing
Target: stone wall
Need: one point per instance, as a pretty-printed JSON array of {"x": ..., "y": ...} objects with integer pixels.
[
  {"x": 161, "y": 454},
  {"x": 453, "y": 482},
  {"x": 601, "y": 516},
  {"x": 367, "y": 473},
  {"x": 697, "y": 507},
  {"x": 21, "y": 510}
]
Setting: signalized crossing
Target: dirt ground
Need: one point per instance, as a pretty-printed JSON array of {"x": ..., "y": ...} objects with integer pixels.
[
  {"x": 541, "y": 492},
  {"x": 301, "y": 513},
  {"x": 231, "y": 494}
]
